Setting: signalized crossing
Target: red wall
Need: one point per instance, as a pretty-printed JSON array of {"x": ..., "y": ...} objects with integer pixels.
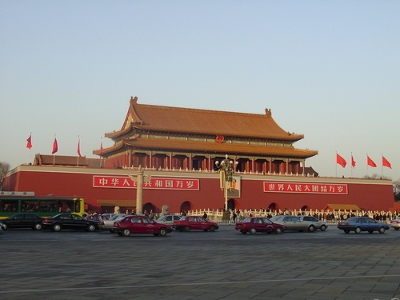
[{"x": 369, "y": 195}]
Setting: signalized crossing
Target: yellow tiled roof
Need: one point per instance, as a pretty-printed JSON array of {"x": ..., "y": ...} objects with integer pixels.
[{"x": 205, "y": 122}]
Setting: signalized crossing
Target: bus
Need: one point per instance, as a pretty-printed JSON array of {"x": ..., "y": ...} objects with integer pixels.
[{"x": 45, "y": 206}]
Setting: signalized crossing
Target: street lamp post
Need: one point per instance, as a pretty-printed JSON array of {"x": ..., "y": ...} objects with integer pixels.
[
  {"x": 139, "y": 179},
  {"x": 226, "y": 169}
]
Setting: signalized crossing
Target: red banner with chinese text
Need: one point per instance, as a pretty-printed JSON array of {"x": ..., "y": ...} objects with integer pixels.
[
  {"x": 305, "y": 188},
  {"x": 155, "y": 183}
]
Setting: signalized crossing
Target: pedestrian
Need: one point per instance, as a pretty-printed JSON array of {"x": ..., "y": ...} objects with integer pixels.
[
  {"x": 234, "y": 216},
  {"x": 205, "y": 216}
]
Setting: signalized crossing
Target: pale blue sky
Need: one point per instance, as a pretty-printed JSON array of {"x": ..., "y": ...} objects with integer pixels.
[{"x": 328, "y": 69}]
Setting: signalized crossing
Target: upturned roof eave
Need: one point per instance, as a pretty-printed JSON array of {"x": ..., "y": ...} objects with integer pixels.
[
  {"x": 208, "y": 148},
  {"x": 116, "y": 134}
]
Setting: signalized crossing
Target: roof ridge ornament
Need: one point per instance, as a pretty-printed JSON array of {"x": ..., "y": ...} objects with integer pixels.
[{"x": 133, "y": 100}]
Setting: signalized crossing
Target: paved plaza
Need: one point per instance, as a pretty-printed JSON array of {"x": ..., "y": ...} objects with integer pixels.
[{"x": 200, "y": 265}]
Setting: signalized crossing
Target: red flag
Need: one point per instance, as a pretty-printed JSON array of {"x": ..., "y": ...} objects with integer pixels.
[
  {"x": 370, "y": 162},
  {"x": 29, "y": 142},
  {"x": 79, "y": 148},
  {"x": 55, "y": 146},
  {"x": 386, "y": 163},
  {"x": 353, "y": 162},
  {"x": 340, "y": 160}
]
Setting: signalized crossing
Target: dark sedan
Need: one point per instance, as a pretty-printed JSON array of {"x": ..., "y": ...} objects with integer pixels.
[
  {"x": 358, "y": 224},
  {"x": 254, "y": 225},
  {"x": 69, "y": 221},
  {"x": 24, "y": 220}
]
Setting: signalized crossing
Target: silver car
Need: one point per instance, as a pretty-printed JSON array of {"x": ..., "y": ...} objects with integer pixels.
[
  {"x": 300, "y": 223},
  {"x": 108, "y": 224},
  {"x": 168, "y": 219}
]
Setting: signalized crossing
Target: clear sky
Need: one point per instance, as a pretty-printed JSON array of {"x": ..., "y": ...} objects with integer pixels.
[{"x": 327, "y": 69}]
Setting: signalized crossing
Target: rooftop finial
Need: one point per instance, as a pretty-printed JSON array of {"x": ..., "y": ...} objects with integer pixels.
[{"x": 133, "y": 100}]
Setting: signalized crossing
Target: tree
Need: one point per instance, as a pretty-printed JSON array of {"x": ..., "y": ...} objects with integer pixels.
[
  {"x": 376, "y": 176},
  {"x": 4, "y": 168}
]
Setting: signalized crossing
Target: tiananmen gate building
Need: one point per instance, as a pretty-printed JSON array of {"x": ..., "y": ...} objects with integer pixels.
[{"x": 179, "y": 151}]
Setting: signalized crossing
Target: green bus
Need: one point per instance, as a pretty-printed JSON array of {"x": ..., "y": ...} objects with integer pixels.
[{"x": 45, "y": 206}]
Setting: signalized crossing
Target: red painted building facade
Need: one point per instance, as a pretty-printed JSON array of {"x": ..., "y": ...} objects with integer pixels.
[
  {"x": 179, "y": 149},
  {"x": 105, "y": 188}
]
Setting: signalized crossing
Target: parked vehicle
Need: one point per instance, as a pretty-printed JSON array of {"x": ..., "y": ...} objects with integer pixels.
[
  {"x": 96, "y": 217},
  {"x": 358, "y": 224},
  {"x": 108, "y": 224},
  {"x": 187, "y": 223},
  {"x": 140, "y": 224},
  {"x": 24, "y": 220},
  {"x": 69, "y": 221},
  {"x": 395, "y": 223},
  {"x": 300, "y": 223},
  {"x": 322, "y": 225},
  {"x": 168, "y": 219},
  {"x": 254, "y": 225}
]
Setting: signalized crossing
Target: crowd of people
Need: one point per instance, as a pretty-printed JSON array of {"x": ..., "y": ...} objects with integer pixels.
[
  {"x": 233, "y": 216},
  {"x": 328, "y": 216}
]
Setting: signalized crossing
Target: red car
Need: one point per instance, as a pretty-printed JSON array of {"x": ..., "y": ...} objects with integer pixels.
[
  {"x": 140, "y": 224},
  {"x": 254, "y": 225},
  {"x": 187, "y": 223}
]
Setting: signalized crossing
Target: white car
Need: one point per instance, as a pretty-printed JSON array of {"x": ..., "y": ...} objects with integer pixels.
[
  {"x": 395, "y": 223},
  {"x": 108, "y": 224},
  {"x": 168, "y": 219}
]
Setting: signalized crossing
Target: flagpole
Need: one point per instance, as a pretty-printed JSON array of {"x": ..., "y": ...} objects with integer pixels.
[
  {"x": 101, "y": 152},
  {"x": 30, "y": 152},
  {"x": 54, "y": 154},
  {"x": 77, "y": 157},
  {"x": 351, "y": 162},
  {"x": 367, "y": 165},
  {"x": 336, "y": 165}
]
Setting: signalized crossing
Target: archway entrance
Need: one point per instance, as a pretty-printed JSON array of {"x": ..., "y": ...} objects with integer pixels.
[
  {"x": 273, "y": 206},
  {"x": 304, "y": 209},
  {"x": 231, "y": 204},
  {"x": 185, "y": 207},
  {"x": 147, "y": 208}
]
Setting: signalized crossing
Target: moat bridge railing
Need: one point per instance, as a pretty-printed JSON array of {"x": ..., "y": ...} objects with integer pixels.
[{"x": 325, "y": 215}]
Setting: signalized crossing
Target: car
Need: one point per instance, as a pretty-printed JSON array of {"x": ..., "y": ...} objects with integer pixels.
[
  {"x": 299, "y": 223},
  {"x": 108, "y": 215},
  {"x": 254, "y": 225},
  {"x": 140, "y": 224},
  {"x": 23, "y": 220},
  {"x": 96, "y": 217},
  {"x": 2, "y": 227},
  {"x": 168, "y": 219},
  {"x": 321, "y": 225},
  {"x": 187, "y": 223},
  {"x": 69, "y": 221},
  {"x": 108, "y": 224},
  {"x": 395, "y": 223},
  {"x": 358, "y": 224}
]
